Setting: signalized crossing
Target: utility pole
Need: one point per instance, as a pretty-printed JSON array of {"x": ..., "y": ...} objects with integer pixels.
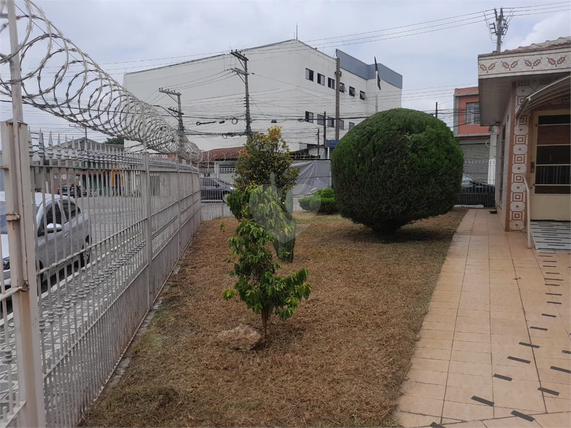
[
  {"x": 178, "y": 113},
  {"x": 436, "y": 111},
  {"x": 499, "y": 28},
  {"x": 337, "y": 83},
  {"x": 318, "y": 154},
  {"x": 244, "y": 61},
  {"x": 181, "y": 139},
  {"x": 324, "y": 129}
]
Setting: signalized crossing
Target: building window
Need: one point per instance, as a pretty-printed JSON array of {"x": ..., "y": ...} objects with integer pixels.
[
  {"x": 341, "y": 124},
  {"x": 341, "y": 87},
  {"x": 321, "y": 79},
  {"x": 553, "y": 165},
  {"x": 472, "y": 114},
  {"x": 362, "y": 95},
  {"x": 351, "y": 91},
  {"x": 331, "y": 83},
  {"x": 309, "y": 116},
  {"x": 309, "y": 74},
  {"x": 351, "y": 125},
  {"x": 320, "y": 119},
  {"x": 330, "y": 122}
]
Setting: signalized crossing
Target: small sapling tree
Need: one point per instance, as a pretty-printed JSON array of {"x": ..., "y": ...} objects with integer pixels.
[
  {"x": 262, "y": 219},
  {"x": 266, "y": 160}
]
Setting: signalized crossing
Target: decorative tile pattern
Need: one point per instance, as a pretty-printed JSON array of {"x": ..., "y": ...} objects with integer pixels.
[
  {"x": 519, "y": 63},
  {"x": 519, "y": 159},
  {"x": 518, "y": 167},
  {"x": 520, "y": 149},
  {"x": 521, "y": 139}
]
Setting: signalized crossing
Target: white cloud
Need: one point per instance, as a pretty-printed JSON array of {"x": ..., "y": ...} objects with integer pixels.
[
  {"x": 123, "y": 35},
  {"x": 550, "y": 28}
]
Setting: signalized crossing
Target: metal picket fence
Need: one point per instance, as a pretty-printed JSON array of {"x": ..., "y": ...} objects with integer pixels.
[
  {"x": 89, "y": 233},
  {"x": 109, "y": 227}
]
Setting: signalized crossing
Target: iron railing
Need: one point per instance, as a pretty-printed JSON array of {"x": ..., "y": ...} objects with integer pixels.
[{"x": 102, "y": 255}]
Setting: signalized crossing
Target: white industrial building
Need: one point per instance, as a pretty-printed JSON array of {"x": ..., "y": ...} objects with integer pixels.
[{"x": 290, "y": 84}]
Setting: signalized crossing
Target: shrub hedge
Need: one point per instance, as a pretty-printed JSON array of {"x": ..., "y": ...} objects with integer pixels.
[
  {"x": 395, "y": 167},
  {"x": 322, "y": 201}
]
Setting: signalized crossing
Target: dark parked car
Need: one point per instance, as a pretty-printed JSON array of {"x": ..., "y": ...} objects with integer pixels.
[
  {"x": 214, "y": 189},
  {"x": 476, "y": 192},
  {"x": 71, "y": 190}
]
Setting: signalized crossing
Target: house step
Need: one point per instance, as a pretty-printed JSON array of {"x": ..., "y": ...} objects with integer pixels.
[{"x": 551, "y": 235}]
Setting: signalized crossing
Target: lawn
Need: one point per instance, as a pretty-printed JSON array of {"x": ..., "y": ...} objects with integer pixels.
[{"x": 339, "y": 361}]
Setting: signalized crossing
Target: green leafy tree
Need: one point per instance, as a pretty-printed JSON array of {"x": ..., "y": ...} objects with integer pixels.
[
  {"x": 262, "y": 220},
  {"x": 119, "y": 141},
  {"x": 395, "y": 167},
  {"x": 263, "y": 155},
  {"x": 265, "y": 160}
]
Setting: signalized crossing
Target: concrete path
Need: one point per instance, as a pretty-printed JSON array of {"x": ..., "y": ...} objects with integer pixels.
[{"x": 495, "y": 346}]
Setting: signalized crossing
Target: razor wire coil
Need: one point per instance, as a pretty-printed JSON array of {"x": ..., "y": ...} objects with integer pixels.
[{"x": 79, "y": 90}]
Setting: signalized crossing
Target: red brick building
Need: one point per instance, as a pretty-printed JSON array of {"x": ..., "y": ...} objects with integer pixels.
[{"x": 474, "y": 138}]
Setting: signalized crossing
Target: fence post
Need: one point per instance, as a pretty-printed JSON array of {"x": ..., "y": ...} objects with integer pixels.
[
  {"x": 148, "y": 210},
  {"x": 21, "y": 235},
  {"x": 178, "y": 196}
]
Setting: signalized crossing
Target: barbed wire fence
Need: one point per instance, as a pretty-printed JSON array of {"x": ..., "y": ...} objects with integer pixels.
[
  {"x": 61, "y": 79},
  {"x": 57, "y": 354}
]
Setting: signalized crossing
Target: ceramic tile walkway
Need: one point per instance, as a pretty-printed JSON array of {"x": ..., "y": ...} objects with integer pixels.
[{"x": 495, "y": 346}]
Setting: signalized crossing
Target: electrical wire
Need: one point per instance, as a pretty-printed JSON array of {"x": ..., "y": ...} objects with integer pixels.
[{"x": 370, "y": 36}]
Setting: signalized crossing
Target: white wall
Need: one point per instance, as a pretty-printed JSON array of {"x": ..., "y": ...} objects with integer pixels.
[{"x": 278, "y": 91}]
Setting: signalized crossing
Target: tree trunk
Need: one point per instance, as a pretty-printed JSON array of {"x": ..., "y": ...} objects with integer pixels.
[{"x": 265, "y": 318}]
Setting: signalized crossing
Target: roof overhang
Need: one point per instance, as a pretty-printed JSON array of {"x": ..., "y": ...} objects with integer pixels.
[
  {"x": 546, "y": 95},
  {"x": 495, "y": 95},
  {"x": 498, "y": 74}
]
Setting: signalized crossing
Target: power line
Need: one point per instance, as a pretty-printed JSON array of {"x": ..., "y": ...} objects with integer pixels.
[{"x": 376, "y": 35}]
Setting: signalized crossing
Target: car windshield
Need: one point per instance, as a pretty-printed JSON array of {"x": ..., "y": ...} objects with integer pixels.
[{"x": 467, "y": 180}]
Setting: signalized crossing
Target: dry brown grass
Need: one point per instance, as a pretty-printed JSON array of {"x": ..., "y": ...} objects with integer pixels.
[{"x": 339, "y": 361}]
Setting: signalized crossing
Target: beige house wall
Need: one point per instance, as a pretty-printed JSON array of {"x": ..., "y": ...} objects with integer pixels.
[
  {"x": 506, "y": 80},
  {"x": 517, "y": 157}
]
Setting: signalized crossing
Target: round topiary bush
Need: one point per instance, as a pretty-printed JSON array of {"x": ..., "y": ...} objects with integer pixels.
[{"x": 395, "y": 167}]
